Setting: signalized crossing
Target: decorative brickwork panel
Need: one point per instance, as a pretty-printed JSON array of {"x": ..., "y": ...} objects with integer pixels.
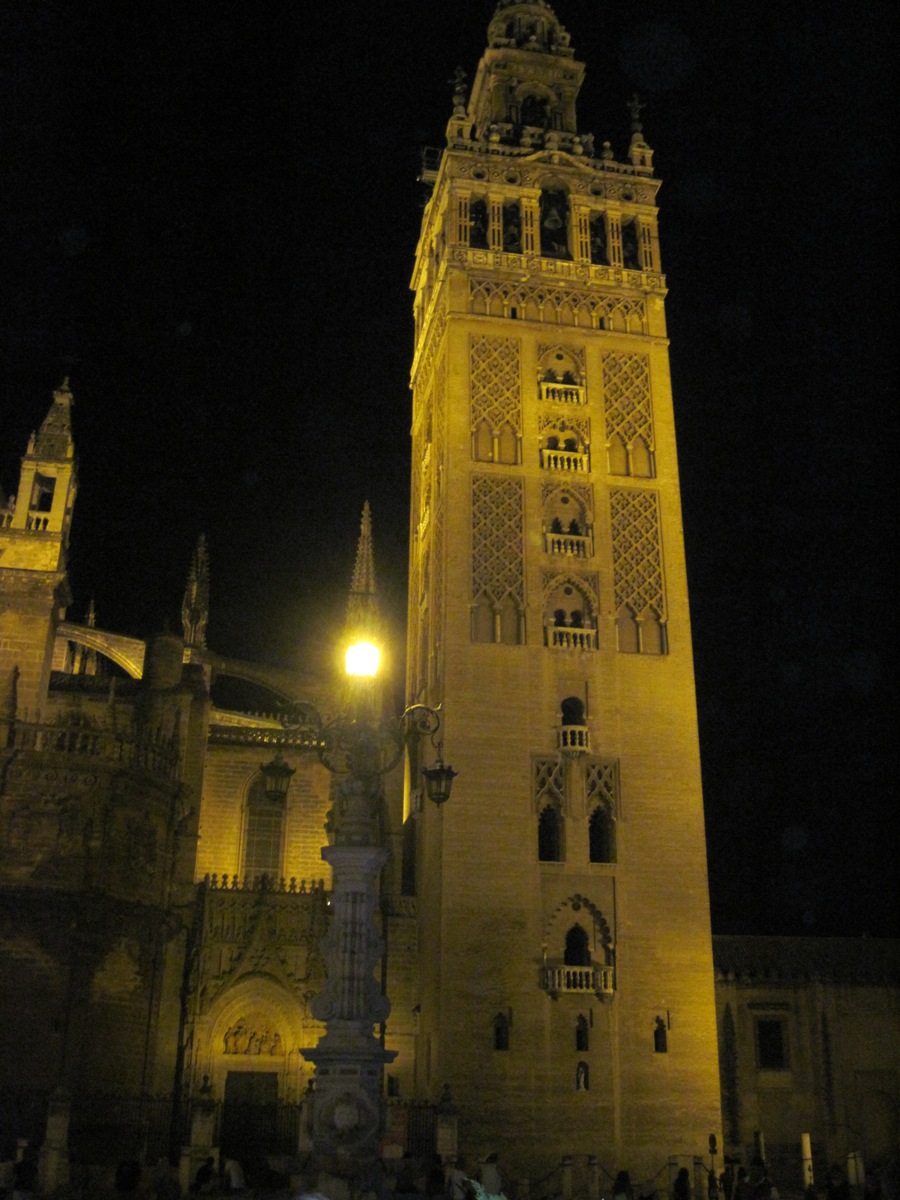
[
  {"x": 495, "y": 387},
  {"x": 637, "y": 551},
  {"x": 549, "y": 782},
  {"x": 497, "y": 541},
  {"x": 557, "y": 305},
  {"x": 601, "y": 784},
  {"x": 626, "y": 392}
]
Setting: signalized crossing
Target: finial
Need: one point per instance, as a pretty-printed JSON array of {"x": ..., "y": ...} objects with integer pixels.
[
  {"x": 362, "y": 605},
  {"x": 458, "y": 82},
  {"x": 91, "y": 618},
  {"x": 635, "y": 105},
  {"x": 54, "y": 438},
  {"x": 195, "y": 605}
]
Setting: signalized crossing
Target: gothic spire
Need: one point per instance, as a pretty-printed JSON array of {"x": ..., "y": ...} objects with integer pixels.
[
  {"x": 195, "y": 605},
  {"x": 362, "y": 606},
  {"x": 54, "y": 438}
]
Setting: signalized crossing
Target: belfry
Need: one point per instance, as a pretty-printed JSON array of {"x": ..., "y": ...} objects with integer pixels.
[{"x": 564, "y": 932}]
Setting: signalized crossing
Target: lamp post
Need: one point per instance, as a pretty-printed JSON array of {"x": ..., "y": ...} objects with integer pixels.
[{"x": 359, "y": 748}]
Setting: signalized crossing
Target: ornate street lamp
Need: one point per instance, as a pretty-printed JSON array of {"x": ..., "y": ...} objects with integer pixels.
[
  {"x": 277, "y": 779},
  {"x": 359, "y": 747}
]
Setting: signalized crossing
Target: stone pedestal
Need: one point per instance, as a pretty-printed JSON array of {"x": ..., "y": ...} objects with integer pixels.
[{"x": 348, "y": 1111}]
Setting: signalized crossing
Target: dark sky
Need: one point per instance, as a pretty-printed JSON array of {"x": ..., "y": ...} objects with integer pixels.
[{"x": 210, "y": 215}]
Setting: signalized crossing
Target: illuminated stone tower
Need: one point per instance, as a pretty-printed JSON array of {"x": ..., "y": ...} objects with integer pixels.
[
  {"x": 567, "y": 982},
  {"x": 34, "y": 542}
]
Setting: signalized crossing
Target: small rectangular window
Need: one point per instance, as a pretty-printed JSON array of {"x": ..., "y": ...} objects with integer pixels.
[{"x": 771, "y": 1044}]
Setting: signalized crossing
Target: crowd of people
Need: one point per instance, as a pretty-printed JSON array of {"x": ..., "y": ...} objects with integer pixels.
[{"x": 410, "y": 1179}]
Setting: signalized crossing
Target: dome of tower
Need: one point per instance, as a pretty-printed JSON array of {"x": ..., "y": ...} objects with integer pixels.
[{"x": 527, "y": 25}]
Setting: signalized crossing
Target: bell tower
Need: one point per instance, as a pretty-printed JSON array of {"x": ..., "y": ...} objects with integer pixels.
[
  {"x": 562, "y": 894},
  {"x": 34, "y": 542}
]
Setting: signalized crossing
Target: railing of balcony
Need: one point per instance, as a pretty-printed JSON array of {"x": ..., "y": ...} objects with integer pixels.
[
  {"x": 580, "y": 979},
  {"x": 563, "y": 393},
  {"x": 573, "y": 739},
  {"x": 564, "y": 460},
  {"x": 157, "y": 755},
  {"x": 567, "y": 637},
  {"x": 575, "y": 545}
]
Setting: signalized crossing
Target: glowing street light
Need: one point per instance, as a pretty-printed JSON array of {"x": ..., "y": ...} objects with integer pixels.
[{"x": 362, "y": 659}]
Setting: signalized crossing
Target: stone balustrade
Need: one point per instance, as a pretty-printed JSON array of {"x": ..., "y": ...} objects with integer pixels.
[
  {"x": 564, "y": 460},
  {"x": 262, "y": 883},
  {"x": 156, "y": 755},
  {"x": 593, "y": 978},
  {"x": 573, "y": 739},
  {"x": 568, "y": 637},
  {"x": 563, "y": 393},
  {"x": 574, "y": 545}
]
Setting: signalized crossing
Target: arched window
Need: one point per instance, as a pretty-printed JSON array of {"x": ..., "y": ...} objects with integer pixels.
[
  {"x": 263, "y": 835},
  {"x": 600, "y": 842},
  {"x": 509, "y": 622},
  {"x": 501, "y": 1032},
  {"x": 627, "y": 631},
  {"x": 577, "y": 952},
  {"x": 653, "y": 633},
  {"x": 550, "y": 835},
  {"x": 617, "y": 456},
  {"x": 533, "y": 110},
  {"x": 582, "y": 1035},
  {"x": 483, "y": 623},
  {"x": 641, "y": 459}
]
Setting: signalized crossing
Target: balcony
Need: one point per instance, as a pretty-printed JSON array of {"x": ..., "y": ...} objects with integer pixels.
[
  {"x": 563, "y": 979},
  {"x": 569, "y": 637},
  {"x": 573, "y": 545},
  {"x": 565, "y": 460},
  {"x": 572, "y": 740},
  {"x": 563, "y": 393}
]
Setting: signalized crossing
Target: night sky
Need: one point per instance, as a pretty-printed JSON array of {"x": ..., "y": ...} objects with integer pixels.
[{"x": 209, "y": 219}]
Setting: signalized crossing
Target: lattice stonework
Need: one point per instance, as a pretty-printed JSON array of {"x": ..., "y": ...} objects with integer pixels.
[
  {"x": 497, "y": 544},
  {"x": 626, "y": 392},
  {"x": 637, "y": 551},
  {"x": 560, "y": 306},
  {"x": 496, "y": 391},
  {"x": 549, "y": 782},
  {"x": 601, "y": 784}
]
